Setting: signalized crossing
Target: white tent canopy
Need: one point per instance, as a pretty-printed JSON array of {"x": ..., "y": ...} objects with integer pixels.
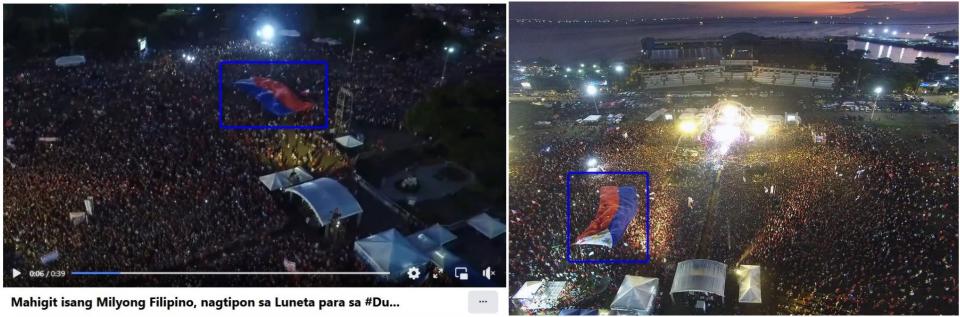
[
  {"x": 488, "y": 226},
  {"x": 656, "y": 114},
  {"x": 792, "y": 117},
  {"x": 289, "y": 33},
  {"x": 388, "y": 251},
  {"x": 442, "y": 257},
  {"x": 326, "y": 196},
  {"x": 284, "y": 179},
  {"x": 748, "y": 277},
  {"x": 636, "y": 295},
  {"x": 431, "y": 238},
  {"x": 699, "y": 275},
  {"x": 438, "y": 233},
  {"x": 348, "y": 141},
  {"x": 326, "y": 40},
  {"x": 70, "y": 60},
  {"x": 592, "y": 118},
  {"x": 539, "y": 294},
  {"x": 775, "y": 118}
]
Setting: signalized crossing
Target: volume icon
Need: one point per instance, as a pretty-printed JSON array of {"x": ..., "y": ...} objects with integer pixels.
[{"x": 488, "y": 272}]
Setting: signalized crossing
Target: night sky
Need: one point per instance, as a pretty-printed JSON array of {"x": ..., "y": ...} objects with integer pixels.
[{"x": 587, "y": 10}]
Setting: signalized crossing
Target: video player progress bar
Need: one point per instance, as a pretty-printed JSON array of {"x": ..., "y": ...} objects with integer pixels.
[{"x": 229, "y": 273}]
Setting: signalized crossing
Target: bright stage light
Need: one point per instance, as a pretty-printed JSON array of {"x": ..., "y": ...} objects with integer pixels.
[
  {"x": 267, "y": 32},
  {"x": 591, "y": 90},
  {"x": 730, "y": 114},
  {"x": 592, "y": 162},
  {"x": 618, "y": 68},
  {"x": 688, "y": 127},
  {"x": 668, "y": 117},
  {"x": 759, "y": 127},
  {"x": 726, "y": 133}
]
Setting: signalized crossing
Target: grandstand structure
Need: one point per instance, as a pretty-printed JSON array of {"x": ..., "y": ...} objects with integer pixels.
[
  {"x": 738, "y": 70},
  {"x": 682, "y": 77},
  {"x": 794, "y": 77}
]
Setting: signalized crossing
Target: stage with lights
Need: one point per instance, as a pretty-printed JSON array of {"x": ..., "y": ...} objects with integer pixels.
[{"x": 727, "y": 124}]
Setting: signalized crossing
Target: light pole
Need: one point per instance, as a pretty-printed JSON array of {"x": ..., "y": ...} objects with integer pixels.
[
  {"x": 66, "y": 17},
  {"x": 686, "y": 127},
  {"x": 353, "y": 41},
  {"x": 448, "y": 50},
  {"x": 876, "y": 100},
  {"x": 592, "y": 91}
]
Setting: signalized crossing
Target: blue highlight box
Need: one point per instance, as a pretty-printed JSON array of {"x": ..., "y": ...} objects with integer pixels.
[
  {"x": 647, "y": 260},
  {"x": 326, "y": 95}
]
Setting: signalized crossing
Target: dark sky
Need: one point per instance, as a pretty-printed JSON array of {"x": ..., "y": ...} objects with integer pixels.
[{"x": 553, "y": 10}]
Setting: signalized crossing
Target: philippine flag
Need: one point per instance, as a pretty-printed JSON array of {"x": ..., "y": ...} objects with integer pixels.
[
  {"x": 275, "y": 97},
  {"x": 618, "y": 206}
]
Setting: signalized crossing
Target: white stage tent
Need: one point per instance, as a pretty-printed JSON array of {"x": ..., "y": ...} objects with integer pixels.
[
  {"x": 284, "y": 179},
  {"x": 389, "y": 251},
  {"x": 538, "y": 294},
  {"x": 326, "y": 196},
  {"x": 635, "y": 296},
  {"x": 748, "y": 277},
  {"x": 431, "y": 238},
  {"x": 348, "y": 141},
  {"x": 699, "y": 275},
  {"x": 488, "y": 226}
]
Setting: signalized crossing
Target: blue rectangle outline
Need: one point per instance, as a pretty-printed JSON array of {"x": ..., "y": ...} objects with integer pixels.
[
  {"x": 570, "y": 226},
  {"x": 326, "y": 94}
]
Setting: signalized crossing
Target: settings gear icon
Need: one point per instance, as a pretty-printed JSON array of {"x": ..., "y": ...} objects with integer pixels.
[{"x": 413, "y": 273}]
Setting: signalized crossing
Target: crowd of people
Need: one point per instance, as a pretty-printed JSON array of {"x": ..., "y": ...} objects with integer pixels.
[
  {"x": 127, "y": 134},
  {"x": 171, "y": 190},
  {"x": 864, "y": 222}
]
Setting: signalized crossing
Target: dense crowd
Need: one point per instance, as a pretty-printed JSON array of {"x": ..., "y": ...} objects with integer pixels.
[
  {"x": 864, "y": 222},
  {"x": 171, "y": 190}
]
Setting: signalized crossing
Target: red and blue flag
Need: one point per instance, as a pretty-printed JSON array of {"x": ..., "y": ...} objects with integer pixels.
[
  {"x": 618, "y": 207},
  {"x": 274, "y": 96}
]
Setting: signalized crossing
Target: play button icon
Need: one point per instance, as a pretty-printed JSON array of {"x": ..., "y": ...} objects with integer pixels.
[{"x": 15, "y": 273}]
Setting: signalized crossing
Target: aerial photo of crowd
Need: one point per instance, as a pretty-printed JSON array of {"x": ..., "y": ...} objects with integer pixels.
[
  {"x": 861, "y": 221},
  {"x": 138, "y": 135}
]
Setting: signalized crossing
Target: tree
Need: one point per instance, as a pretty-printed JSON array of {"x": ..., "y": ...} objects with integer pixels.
[
  {"x": 926, "y": 66},
  {"x": 468, "y": 120}
]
